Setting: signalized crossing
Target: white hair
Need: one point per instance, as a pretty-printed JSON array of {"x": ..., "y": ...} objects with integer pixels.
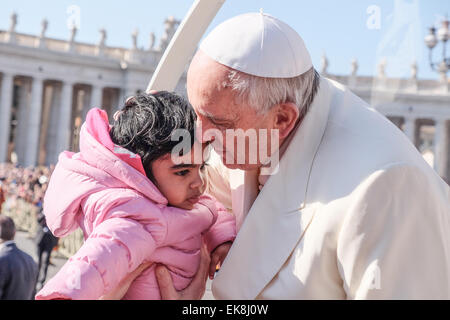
[{"x": 263, "y": 93}]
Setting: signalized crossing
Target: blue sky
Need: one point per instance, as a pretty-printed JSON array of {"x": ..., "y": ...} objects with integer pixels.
[{"x": 339, "y": 28}]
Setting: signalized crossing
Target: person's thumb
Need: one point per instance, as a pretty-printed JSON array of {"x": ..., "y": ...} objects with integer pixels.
[
  {"x": 140, "y": 269},
  {"x": 166, "y": 288}
]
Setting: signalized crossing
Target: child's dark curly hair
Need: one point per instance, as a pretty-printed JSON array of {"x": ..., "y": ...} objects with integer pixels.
[{"x": 146, "y": 122}]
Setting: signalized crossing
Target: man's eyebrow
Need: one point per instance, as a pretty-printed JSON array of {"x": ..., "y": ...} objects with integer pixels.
[{"x": 213, "y": 118}]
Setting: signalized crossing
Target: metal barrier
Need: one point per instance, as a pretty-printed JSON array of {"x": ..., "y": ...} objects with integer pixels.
[
  {"x": 69, "y": 245},
  {"x": 24, "y": 215}
]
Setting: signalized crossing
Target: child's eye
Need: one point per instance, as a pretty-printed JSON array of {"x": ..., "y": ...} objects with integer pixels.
[
  {"x": 202, "y": 167},
  {"x": 182, "y": 173}
]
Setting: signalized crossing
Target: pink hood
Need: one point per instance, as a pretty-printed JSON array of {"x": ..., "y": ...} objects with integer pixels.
[{"x": 100, "y": 164}]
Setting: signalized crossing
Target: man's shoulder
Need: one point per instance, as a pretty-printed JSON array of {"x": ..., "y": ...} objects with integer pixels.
[
  {"x": 13, "y": 251},
  {"x": 357, "y": 142},
  {"x": 8, "y": 252},
  {"x": 4, "y": 254},
  {"x": 14, "y": 259},
  {"x": 361, "y": 136},
  {"x": 26, "y": 255}
]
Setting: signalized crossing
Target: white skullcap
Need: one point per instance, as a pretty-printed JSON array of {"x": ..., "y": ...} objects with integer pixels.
[{"x": 258, "y": 44}]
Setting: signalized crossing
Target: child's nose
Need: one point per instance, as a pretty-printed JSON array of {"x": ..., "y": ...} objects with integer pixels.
[{"x": 197, "y": 182}]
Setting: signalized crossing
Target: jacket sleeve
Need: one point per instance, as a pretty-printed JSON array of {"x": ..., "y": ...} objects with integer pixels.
[
  {"x": 116, "y": 247},
  {"x": 394, "y": 240},
  {"x": 223, "y": 229}
]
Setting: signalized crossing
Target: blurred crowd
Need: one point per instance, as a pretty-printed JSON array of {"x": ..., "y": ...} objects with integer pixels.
[
  {"x": 28, "y": 184},
  {"x": 22, "y": 193}
]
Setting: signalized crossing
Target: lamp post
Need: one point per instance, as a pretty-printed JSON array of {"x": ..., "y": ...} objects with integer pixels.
[{"x": 432, "y": 39}]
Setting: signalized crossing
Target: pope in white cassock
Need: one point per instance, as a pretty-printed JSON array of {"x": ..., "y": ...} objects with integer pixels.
[{"x": 353, "y": 211}]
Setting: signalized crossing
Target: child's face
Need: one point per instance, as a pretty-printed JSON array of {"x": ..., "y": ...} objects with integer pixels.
[{"x": 180, "y": 183}]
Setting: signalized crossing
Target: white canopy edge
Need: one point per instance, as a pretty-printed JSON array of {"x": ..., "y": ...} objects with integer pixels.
[{"x": 183, "y": 44}]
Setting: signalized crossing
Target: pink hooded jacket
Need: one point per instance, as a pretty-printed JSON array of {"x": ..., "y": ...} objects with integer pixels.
[{"x": 125, "y": 220}]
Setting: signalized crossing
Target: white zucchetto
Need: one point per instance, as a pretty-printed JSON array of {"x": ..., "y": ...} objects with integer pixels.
[{"x": 258, "y": 44}]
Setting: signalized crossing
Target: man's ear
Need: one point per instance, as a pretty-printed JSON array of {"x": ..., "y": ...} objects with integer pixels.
[{"x": 285, "y": 118}]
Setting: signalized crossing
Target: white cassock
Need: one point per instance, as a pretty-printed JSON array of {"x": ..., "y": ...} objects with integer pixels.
[{"x": 354, "y": 212}]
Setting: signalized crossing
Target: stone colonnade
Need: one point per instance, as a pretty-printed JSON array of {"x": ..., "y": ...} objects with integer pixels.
[
  {"x": 39, "y": 118},
  {"x": 412, "y": 126}
]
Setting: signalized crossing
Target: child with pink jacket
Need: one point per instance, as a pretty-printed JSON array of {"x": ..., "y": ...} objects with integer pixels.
[{"x": 133, "y": 202}]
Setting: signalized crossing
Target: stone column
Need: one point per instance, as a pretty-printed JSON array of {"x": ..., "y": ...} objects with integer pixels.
[
  {"x": 65, "y": 117},
  {"x": 122, "y": 97},
  {"x": 23, "y": 114},
  {"x": 34, "y": 122},
  {"x": 409, "y": 129},
  {"x": 440, "y": 147},
  {"x": 43, "y": 150},
  {"x": 53, "y": 134},
  {"x": 96, "y": 97},
  {"x": 6, "y": 95}
]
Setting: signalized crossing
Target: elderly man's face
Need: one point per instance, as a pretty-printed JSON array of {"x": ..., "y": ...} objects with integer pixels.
[{"x": 221, "y": 116}]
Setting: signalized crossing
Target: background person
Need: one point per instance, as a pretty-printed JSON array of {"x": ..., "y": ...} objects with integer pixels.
[
  {"x": 18, "y": 271},
  {"x": 46, "y": 242}
]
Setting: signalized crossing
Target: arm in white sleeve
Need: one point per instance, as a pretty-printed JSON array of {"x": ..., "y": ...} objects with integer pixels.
[{"x": 394, "y": 242}]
